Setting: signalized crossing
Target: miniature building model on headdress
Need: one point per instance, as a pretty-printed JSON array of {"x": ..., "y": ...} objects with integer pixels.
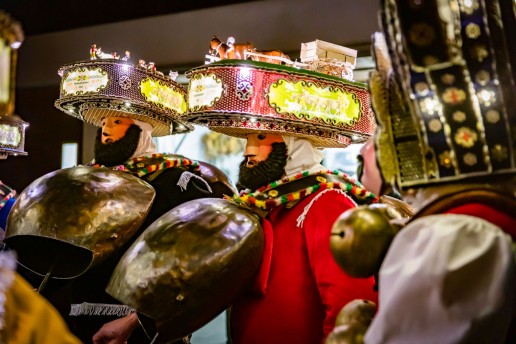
[
  {"x": 329, "y": 58},
  {"x": 12, "y": 128},
  {"x": 107, "y": 86}
]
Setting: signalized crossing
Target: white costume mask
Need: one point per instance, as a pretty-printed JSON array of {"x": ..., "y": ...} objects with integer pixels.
[
  {"x": 302, "y": 156},
  {"x": 146, "y": 145}
]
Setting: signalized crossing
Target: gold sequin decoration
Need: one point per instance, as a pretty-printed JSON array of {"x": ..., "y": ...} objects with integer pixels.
[
  {"x": 273, "y": 193},
  {"x": 429, "y": 105},
  {"x": 479, "y": 52},
  {"x": 465, "y": 137},
  {"x": 482, "y": 77},
  {"x": 472, "y": 30},
  {"x": 448, "y": 79},
  {"x": 499, "y": 153},
  {"x": 321, "y": 179},
  {"x": 486, "y": 97},
  {"x": 468, "y": 6},
  {"x": 453, "y": 95},
  {"x": 445, "y": 159},
  {"x": 421, "y": 88},
  {"x": 435, "y": 125},
  {"x": 470, "y": 159},
  {"x": 492, "y": 116},
  {"x": 459, "y": 116}
]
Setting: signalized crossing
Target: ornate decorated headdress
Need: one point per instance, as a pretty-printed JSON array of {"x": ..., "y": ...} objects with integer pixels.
[
  {"x": 12, "y": 127},
  {"x": 111, "y": 86},
  {"x": 237, "y": 97},
  {"x": 444, "y": 90}
]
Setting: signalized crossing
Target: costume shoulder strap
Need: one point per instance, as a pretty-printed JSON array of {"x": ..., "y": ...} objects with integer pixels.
[{"x": 295, "y": 188}]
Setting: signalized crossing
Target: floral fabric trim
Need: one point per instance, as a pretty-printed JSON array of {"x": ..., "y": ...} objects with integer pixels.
[
  {"x": 144, "y": 165},
  {"x": 103, "y": 309},
  {"x": 264, "y": 198}
]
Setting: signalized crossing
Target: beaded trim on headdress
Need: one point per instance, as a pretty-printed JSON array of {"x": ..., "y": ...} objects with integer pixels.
[
  {"x": 144, "y": 165},
  {"x": 269, "y": 201}
]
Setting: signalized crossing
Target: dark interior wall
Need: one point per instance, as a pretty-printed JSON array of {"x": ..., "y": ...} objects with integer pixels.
[{"x": 48, "y": 129}]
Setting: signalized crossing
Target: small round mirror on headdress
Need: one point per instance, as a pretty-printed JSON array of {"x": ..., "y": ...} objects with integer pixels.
[{"x": 111, "y": 86}]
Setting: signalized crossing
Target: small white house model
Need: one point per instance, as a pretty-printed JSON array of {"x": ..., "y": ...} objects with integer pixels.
[
  {"x": 329, "y": 58},
  {"x": 321, "y": 50}
]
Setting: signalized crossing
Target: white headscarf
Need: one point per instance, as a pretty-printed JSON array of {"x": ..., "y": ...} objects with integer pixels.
[
  {"x": 448, "y": 279},
  {"x": 146, "y": 145},
  {"x": 302, "y": 156}
]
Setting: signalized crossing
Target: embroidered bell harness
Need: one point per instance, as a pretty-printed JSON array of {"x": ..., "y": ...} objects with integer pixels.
[{"x": 301, "y": 185}]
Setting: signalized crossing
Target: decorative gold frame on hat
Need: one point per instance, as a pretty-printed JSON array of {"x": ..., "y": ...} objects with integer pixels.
[
  {"x": 111, "y": 87},
  {"x": 237, "y": 97},
  {"x": 444, "y": 90}
]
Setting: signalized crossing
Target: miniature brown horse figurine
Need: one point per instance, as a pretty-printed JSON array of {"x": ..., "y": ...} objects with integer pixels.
[
  {"x": 229, "y": 51},
  {"x": 270, "y": 56}
]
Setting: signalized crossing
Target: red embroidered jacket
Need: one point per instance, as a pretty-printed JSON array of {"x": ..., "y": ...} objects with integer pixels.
[{"x": 301, "y": 287}]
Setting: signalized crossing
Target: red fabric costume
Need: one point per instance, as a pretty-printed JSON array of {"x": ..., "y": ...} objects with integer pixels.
[
  {"x": 503, "y": 220},
  {"x": 302, "y": 287}
]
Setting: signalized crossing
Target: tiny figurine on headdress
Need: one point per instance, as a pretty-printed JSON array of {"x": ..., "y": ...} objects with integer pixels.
[
  {"x": 269, "y": 56},
  {"x": 318, "y": 56},
  {"x": 231, "y": 44},
  {"x": 93, "y": 52},
  {"x": 173, "y": 75},
  {"x": 152, "y": 68},
  {"x": 97, "y": 53},
  {"x": 245, "y": 51},
  {"x": 102, "y": 55},
  {"x": 229, "y": 50},
  {"x": 142, "y": 64}
]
